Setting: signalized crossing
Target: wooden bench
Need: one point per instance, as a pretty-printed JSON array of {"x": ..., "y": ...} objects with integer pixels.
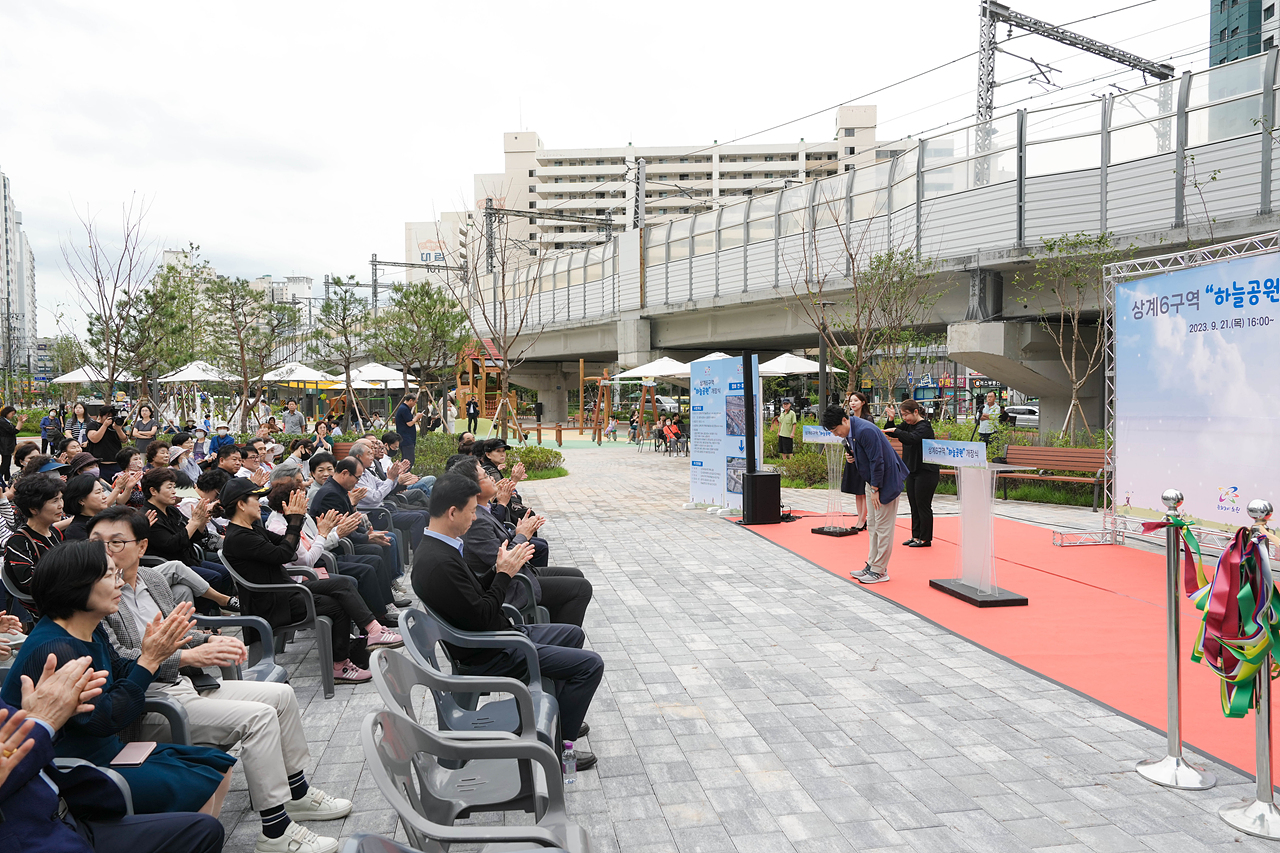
[{"x": 1056, "y": 459}]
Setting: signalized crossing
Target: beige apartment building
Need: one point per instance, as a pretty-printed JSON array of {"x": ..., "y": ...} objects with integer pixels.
[{"x": 601, "y": 182}]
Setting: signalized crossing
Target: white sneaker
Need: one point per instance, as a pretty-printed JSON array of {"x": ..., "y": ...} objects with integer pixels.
[
  {"x": 317, "y": 805},
  {"x": 296, "y": 839}
]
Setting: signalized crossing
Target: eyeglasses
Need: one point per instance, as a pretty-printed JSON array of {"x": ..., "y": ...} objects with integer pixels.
[{"x": 115, "y": 546}]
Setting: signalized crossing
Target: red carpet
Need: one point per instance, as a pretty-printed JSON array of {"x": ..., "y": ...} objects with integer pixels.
[{"x": 1084, "y": 602}]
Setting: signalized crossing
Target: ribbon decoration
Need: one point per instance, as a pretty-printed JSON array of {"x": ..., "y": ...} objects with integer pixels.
[
  {"x": 1193, "y": 576},
  {"x": 1241, "y": 622}
]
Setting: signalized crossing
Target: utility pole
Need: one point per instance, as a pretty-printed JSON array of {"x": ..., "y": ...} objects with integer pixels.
[
  {"x": 374, "y": 263},
  {"x": 992, "y": 13},
  {"x": 637, "y": 211}
]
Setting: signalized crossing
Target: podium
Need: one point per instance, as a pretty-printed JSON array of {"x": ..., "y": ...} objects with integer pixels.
[{"x": 975, "y": 578}]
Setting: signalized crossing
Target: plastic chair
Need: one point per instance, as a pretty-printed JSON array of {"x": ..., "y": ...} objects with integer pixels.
[
  {"x": 120, "y": 781},
  {"x": 528, "y": 715},
  {"x": 395, "y": 675},
  {"x": 322, "y": 625},
  {"x": 532, "y": 613},
  {"x": 383, "y": 522},
  {"x": 404, "y": 757},
  {"x": 365, "y": 843},
  {"x": 12, "y": 585},
  {"x": 456, "y": 707}
]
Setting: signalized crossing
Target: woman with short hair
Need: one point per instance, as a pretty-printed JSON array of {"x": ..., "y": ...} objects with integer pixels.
[
  {"x": 76, "y": 588},
  {"x": 82, "y": 498},
  {"x": 145, "y": 427},
  {"x": 38, "y": 498}
]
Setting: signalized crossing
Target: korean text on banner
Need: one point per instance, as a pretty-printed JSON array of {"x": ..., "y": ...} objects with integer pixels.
[
  {"x": 955, "y": 454},
  {"x": 717, "y": 430}
]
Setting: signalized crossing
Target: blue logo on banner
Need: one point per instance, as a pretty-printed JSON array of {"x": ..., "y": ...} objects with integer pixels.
[
  {"x": 697, "y": 408},
  {"x": 735, "y": 386},
  {"x": 696, "y": 464}
]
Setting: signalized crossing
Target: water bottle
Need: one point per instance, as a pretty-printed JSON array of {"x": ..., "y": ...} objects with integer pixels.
[{"x": 569, "y": 763}]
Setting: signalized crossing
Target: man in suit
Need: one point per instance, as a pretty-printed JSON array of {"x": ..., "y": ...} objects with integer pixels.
[
  {"x": 262, "y": 716},
  {"x": 336, "y": 494},
  {"x": 562, "y": 590},
  {"x": 471, "y": 602},
  {"x": 408, "y": 522},
  {"x": 31, "y": 786}
]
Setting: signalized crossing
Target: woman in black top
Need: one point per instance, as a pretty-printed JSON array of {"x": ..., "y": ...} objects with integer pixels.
[
  {"x": 922, "y": 479},
  {"x": 851, "y": 483},
  {"x": 259, "y": 556},
  {"x": 8, "y": 439}
]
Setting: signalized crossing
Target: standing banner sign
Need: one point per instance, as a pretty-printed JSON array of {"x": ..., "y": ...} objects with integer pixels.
[
  {"x": 717, "y": 430},
  {"x": 1197, "y": 403}
]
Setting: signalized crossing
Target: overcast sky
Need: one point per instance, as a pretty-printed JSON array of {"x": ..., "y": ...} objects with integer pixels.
[{"x": 297, "y": 138}]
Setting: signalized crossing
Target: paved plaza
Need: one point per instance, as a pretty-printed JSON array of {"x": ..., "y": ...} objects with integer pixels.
[{"x": 754, "y": 703}]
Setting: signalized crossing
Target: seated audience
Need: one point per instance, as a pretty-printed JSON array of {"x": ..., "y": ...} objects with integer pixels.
[
  {"x": 445, "y": 583},
  {"x": 83, "y": 498},
  {"x": 416, "y": 490},
  {"x": 38, "y": 497},
  {"x": 409, "y": 522},
  {"x": 493, "y": 456},
  {"x": 338, "y": 492},
  {"x": 259, "y": 556},
  {"x": 563, "y": 591},
  {"x": 263, "y": 716},
  {"x": 321, "y": 534},
  {"x": 76, "y": 588},
  {"x": 157, "y": 455},
  {"x": 130, "y": 461},
  {"x": 182, "y": 455},
  {"x": 47, "y": 810},
  {"x": 176, "y": 537}
]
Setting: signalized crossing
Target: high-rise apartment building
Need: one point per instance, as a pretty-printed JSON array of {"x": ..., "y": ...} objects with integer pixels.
[
  {"x": 601, "y": 182},
  {"x": 17, "y": 287},
  {"x": 1240, "y": 28},
  {"x": 285, "y": 289}
]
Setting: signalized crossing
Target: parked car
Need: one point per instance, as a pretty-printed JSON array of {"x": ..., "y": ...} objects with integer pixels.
[
  {"x": 1025, "y": 417},
  {"x": 668, "y": 406}
]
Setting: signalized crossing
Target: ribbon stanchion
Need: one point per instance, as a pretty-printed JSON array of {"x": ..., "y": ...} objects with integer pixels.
[
  {"x": 1174, "y": 771},
  {"x": 1237, "y": 640}
]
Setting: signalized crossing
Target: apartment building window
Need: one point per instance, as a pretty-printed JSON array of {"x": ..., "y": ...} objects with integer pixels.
[
  {"x": 1268, "y": 43},
  {"x": 1269, "y": 12},
  {"x": 533, "y": 189},
  {"x": 533, "y": 235},
  {"x": 832, "y": 156},
  {"x": 768, "y": 159},
  {"x": 1222, "y": 36},
  {"x": 533, "y": 205},
  {"x": 599, "y": 162},
  {"x": 559, "y": 162},
  {"x": 768, "y": 176},
  {"x": 1235, "y": 3},
  {"x": 848, "y": 131},
  {"x": 559, "y": 229},
  {"x": 1235, "y": 31},
  {"x": 599, "y": 195},
  {"x": 557, "y": 180},
  {"x": 746, "y": 176},
  {"x": 533, "y": 252},
  {"x": 746, "y": 159},
  {"x": 848, "y": 166},
  {"x": 850, "y": 151},
  {"x": 684, "y": 177},
  {"x": 533, "y": 173}
]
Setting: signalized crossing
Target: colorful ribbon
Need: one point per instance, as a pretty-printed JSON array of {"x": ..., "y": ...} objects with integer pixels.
[
  {"x": 1240, "y": 626},
  {"x": 1193, "y": 576}
]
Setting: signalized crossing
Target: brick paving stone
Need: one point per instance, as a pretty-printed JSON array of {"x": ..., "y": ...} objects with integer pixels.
[{"x": 753, "y": 703}]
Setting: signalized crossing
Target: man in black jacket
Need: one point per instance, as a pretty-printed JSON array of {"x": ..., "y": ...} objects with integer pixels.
[
  {"x": 562, "y": 590},
  {"x": 470, "y": 602},
  {"x": 336, "y": 494}
]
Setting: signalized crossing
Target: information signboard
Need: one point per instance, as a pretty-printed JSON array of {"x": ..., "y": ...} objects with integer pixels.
[{"x": 717, "y": 430}]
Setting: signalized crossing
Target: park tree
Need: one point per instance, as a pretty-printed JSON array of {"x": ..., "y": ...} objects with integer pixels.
[
  {"x": 342, "y": 333},
  {"x": 109, "y": 275},
  {"x": 252, "y": 331},
  {"x": 1066, "y": 285},
  {"x": 423, "y": 328},
  {"x": 172, "y": 326},
  {"x": 494, "y": 279}
]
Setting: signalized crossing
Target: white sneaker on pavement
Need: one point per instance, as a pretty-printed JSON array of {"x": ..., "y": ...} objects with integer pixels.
[
  {"x": 873, "y": 577},
  {"x": 296, "y": 839},
  {"x": 317, "y": 805}
]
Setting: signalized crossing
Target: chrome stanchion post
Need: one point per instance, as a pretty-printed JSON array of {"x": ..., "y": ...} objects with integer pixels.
[
  {"x": 1259, "y": 816},
  {"x": 1173, "y": 771}
]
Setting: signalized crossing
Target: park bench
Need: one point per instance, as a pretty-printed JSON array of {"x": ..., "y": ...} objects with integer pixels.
[{"x": 1046, "y": 459}]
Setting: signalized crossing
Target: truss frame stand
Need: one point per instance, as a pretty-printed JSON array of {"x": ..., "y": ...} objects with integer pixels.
[
  {"x": 972, "y": 595},
  {"x": 832, "y": 530},
  {"x": 1068, "y": 538}
]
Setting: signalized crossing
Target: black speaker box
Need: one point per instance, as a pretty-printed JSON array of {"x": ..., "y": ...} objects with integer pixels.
[{"x": 762, "y": 498}]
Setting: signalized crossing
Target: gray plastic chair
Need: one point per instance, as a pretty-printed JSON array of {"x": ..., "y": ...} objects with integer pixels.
[
  {"x": 120, "y": 782},
  {"x": 423, "y": 628},
  {"x": 527, "y": 714},
  {"x": 322, "y": 625},
  {"x": 404, "y": 759},
  {"x": 532, "y": 613}
]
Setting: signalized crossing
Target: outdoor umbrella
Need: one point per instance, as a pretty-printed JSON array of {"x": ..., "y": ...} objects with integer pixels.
[
  {"x": 788, "y": 364},
  {"x": 375, "y": 372},
  {"x": 197, "y": 371},
  {"x": 663, "y": 367},
  {"x": 87, "y": 374},
  {"x": 296, "y": 371}
]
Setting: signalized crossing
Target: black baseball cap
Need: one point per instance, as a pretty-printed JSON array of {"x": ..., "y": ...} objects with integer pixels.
[{"x": 237, "y": 490}]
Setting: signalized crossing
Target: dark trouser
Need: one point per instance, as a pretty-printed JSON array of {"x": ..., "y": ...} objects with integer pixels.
[
  {"x": 45, "y": 444},
  {"x": 473, "y": 423},
  {"x": 575, "y": 671},
  {"x": 336, "y": 598},
  {"x": 409, "y": 451},
  {"x": 6, "y": 464},
  {"x": 216, "y": 575},
  {"x": 180, "y": 832},
  {"x": 541, "y": 551},
  {"x": 389, "y": 555},
  {"x": 411, "y": 523},
  {"x": 367, "y": 572},
  {"x": 565, "y": 594},
  {"x": 986, "y": 437},
  {"x": 920, "y": 488}
]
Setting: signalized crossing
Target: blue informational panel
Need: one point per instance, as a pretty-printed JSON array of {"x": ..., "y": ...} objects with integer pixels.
[
  {"x": 717, "y": 430},
  {"x": 1197, "y": 401}
]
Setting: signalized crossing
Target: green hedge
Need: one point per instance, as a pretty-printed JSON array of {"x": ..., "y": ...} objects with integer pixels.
[{"x": 434, "y": 449}]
